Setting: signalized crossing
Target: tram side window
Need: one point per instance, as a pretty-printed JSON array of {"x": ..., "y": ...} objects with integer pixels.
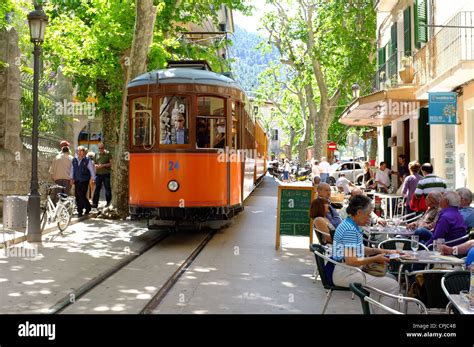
[
  {"x": 142, "y": 122},
  {"x": 210, "y": 123},
  {"x": 174, "y": 120},
  {"x": 235, "y": 125}
]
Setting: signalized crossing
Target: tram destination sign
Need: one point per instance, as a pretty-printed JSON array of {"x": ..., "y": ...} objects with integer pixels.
[{"x": 293, "y": 212}]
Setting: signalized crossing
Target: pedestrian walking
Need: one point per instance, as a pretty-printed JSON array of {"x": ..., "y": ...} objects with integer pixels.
[
  {"x": 103, "y": 166},
  {"x": 60, "y": 171},
  {"x": 324, "y": 169},
  {"x": 91, "y": 188},
  {"x": 81, "y": 173}
]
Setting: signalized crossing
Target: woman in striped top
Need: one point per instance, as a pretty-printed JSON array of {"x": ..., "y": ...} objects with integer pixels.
[{"x": 349, "y": 248}]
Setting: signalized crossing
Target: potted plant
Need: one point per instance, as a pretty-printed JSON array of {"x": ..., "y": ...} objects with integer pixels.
[{"x": 407, "y": 72}]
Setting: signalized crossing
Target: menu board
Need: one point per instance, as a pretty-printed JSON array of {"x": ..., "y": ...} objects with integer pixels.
[{"x": 293, "y": 212}]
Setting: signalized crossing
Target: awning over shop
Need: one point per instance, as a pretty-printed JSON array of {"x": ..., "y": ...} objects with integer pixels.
[{"x": 382, "y": 107}]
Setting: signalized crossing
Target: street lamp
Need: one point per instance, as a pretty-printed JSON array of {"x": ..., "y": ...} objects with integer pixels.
[
  {"x": 355, "y": 90},
  {"x": 37, "y": 20}
]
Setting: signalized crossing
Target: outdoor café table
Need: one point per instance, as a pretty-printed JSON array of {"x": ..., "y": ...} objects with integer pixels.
[
  {"x": 391, "y": 200},
  {"x": 426, "y": 257},
  {"x": 391, "y": 231},
  {"x": 462, "y": 306}
]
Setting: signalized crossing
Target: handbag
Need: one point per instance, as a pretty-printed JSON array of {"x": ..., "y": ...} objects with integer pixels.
[
  {"x": 375, "y": 269},
  {"x": 418, "y": 204}
]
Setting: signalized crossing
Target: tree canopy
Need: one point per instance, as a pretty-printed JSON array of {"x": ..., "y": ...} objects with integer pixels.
[{"x": 326, "y": 47}]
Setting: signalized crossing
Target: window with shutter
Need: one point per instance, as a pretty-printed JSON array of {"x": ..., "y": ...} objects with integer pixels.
[
  {"x": 381, "y": 66},
  {"x": 421, "y": 22},
  {"x": 393, "y": 58},
  {"x": 407, "y": 31}
]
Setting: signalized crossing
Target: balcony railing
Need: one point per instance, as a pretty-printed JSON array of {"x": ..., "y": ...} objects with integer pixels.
[
  {"x": 450, "y": 46},
  {"x": 387, "y": 75}
]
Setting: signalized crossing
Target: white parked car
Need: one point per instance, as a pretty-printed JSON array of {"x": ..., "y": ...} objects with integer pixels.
[{"x": 352, "y": 170}]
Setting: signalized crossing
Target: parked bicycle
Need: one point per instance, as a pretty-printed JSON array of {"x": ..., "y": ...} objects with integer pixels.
[{"x": 59, "y": 212}]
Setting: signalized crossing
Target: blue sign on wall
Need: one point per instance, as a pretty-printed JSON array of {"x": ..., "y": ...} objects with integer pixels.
[{"x": 442, "y": 108}]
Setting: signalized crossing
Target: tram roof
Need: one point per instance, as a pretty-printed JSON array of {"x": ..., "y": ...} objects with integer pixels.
[{"x": 184, "y": 76}]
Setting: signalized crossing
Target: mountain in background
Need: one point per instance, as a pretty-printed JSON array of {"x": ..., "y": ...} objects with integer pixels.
[{"x": 248, "y": 61}]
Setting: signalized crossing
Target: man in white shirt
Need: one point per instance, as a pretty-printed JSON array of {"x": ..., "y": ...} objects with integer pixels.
[
  {"x": 382, "y": 178},
  {"x": 315, "y": 169},
  {"x": 60, "y": 171},
  {"x": 343, "y": 184},
  {"x": 324, "y": 169}
]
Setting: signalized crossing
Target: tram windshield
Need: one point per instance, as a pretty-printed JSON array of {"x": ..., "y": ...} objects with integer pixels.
[
  {"x": 210, "y": 123},
  {"x": 142, "y": 122},
  {"x": 174, "y": 120}
]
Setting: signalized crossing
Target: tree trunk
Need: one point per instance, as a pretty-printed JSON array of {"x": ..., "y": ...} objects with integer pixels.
[
  {"x": 109, "y": 128},
  {"x": 321, "y": 127},
  {"x": 365, "y": 148},
  {"x": 304, "y": 141},
  {"x": 292, "y": 142},
  {"x": 134, "y": 66},
  {"x": 373, "y": 148}
]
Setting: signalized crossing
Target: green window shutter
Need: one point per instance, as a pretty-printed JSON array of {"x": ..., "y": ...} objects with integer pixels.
[
  {"x": 407, "y": 31},
  {"x": 392, "y": 54},
  {"x": 382, "y": 56},
  {"x": 421, "y": 22},
  {"x": 381, "y": 66}
]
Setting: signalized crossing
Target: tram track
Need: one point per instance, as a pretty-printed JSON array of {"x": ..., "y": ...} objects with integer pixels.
[
  {"x": 161, "y": 294},
  {"x": 81, "y": 292}
]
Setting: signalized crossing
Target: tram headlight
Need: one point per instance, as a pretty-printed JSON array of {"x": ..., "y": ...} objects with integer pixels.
[{"x": 173, "y": 186}]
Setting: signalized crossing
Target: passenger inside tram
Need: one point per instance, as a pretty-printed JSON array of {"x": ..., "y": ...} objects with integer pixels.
[
  {"x": 202, "y": 134},
  {"x": 219, "y": 140},
  {"x": 210, "y": 132}
]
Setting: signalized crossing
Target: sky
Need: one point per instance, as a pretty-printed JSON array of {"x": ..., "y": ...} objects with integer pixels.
[{"x": 250, "y": 23}]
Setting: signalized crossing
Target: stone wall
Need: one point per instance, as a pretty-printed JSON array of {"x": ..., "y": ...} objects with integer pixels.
[{"x": 15, "y": 160}]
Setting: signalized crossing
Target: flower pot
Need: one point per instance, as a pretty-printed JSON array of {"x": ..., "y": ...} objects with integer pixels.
[{"x": 407, "y": 74}]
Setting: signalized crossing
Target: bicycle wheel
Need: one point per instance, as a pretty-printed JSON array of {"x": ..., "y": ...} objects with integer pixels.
[{"x": 63, "y": 217}]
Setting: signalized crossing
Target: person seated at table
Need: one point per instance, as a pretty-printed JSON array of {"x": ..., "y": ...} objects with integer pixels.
[
  {"x": 348, "y": 248},
  {"x": 316, "y": 182},
  {"x": 368, "y": 178},
  {"x": 319, "y": 210},
  {"x": 450, "y": 224},
  {"x": 324, "y": 192},
  {"x": 460, "y": 250},
  {"x": 343, "y": 184},
  {"x": 374, "y": 219},
  {"x": 424, "y": 226},
  {"x": 465, "y": 209}
]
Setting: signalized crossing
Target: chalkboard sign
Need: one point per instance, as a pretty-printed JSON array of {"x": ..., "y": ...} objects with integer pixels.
[{"x": 293, "y": 212}]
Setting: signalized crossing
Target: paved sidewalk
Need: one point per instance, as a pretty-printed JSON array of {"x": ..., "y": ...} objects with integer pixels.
[
  {"x": 33, "y": 278},
  {"x": 240, "y": 271}
]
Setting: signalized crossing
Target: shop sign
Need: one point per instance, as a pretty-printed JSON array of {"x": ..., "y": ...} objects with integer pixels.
[{"x": 442, "y": 107}]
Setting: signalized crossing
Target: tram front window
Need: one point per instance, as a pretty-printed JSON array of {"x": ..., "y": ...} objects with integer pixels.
[
  {"x": 142, "y": 122},
  {"x": 174, "y": 120},
  {"x": 210, "y": 123}
]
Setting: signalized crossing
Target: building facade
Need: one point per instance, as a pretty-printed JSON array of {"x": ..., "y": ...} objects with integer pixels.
[{"x": 423, "y": 47}]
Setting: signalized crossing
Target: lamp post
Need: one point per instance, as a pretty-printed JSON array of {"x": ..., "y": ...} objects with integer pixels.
[
  {"x": 37, "y": 21},
  {"x": 355, "y": 90}
]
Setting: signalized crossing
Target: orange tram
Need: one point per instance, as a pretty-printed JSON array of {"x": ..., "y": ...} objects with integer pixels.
[{"x": 196, "y": 150}]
